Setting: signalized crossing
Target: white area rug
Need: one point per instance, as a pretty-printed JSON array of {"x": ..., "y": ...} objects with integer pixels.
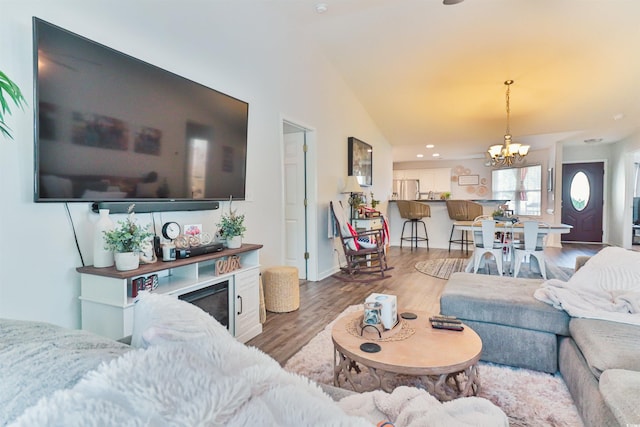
[{"x": 529, "y": 398}]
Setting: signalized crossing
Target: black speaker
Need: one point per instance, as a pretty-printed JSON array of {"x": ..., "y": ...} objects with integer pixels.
[
  {"x": 157, "y": 206},
  {"x": 199, "y": 250}
]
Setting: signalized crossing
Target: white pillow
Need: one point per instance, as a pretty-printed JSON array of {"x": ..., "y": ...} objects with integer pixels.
[{"x": 160, "y": 319}]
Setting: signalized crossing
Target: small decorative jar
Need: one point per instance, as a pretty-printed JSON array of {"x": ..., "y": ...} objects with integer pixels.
[{"x": 372, "y": 314}]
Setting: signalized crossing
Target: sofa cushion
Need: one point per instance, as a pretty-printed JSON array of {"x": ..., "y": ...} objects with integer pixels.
[
  {"x": 607, "y": 345},
  {"x": 621, "y": 391},
  {"x": 501, "y": 300}
]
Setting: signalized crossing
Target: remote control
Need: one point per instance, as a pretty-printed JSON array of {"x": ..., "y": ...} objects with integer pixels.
[
  {"x": 442, "y": 316},
  {"x": 449, "y": 320},
  {"x": 448, "y": 326}
]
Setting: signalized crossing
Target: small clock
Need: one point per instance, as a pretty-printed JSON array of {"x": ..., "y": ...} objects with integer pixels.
[{"x": 170, "y": 230}]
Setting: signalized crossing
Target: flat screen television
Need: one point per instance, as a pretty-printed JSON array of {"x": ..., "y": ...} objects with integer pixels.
[
  {"x": 636, "y": 211},
  {"x": 110, "y": 127}
]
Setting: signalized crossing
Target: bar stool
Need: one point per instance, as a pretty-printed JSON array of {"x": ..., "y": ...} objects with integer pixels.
[
  {"x": 413, "y": 212},
  {"x": 462, "y": 210}
]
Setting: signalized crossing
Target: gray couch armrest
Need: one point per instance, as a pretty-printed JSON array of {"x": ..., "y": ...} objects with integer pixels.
[{"x": 580, "y": 261}]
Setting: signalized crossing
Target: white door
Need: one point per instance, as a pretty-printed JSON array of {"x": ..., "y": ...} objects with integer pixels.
[{"x": 295, "y": 193}]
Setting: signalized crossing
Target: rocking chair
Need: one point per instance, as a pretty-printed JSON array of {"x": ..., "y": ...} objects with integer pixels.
[{"x": 364, "y": 251}]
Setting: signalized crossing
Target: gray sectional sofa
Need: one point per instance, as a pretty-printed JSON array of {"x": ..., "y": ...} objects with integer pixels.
[{"x": 598, "y": 359}]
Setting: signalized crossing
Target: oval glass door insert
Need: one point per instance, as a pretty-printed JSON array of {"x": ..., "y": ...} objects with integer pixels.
[{"x": 580, "y": 191}]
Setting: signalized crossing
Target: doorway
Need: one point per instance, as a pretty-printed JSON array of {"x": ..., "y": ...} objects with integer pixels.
[
  {"x": 296, "y": 201},
  {"x": 583, "y": 201}
]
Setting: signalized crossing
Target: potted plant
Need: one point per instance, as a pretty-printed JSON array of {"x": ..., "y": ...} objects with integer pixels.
[
  {"x": 497, "y": 214},
  {"x": 12, "y": 91},
  {"x": 374, "y": 202},
  {"x": 232, "y": 228},
  {"x": 126, "y": 241}
]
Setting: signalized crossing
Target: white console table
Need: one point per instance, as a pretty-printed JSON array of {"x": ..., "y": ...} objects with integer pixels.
[{"x": 107, "y": 307}]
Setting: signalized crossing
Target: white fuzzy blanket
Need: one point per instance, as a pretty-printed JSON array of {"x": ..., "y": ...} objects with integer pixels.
[
  {"x": 193, "y": 373},
  {"x": 179, "y": 385},
  {"x": 413, "y": 407},
  {"x": 607, "y": 287}
]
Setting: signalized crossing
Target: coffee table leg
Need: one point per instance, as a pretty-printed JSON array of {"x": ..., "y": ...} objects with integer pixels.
[
  {"x": 447, "y": 387},
  {"x": 472, "y": 385},
  {"x": 342, "y": 364},
  {"x": 382, "y": 380}
]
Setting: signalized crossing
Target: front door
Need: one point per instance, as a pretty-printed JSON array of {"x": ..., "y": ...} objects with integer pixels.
[{"x": 582, "y": 201}]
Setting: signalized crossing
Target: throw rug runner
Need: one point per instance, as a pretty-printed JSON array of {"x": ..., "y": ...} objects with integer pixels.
[
  {"x": 529, "y": 398},
  {"x": 442, "y": 268}
]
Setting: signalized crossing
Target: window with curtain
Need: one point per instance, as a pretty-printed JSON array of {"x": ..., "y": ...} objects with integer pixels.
[{"x": 521, "y": 186}]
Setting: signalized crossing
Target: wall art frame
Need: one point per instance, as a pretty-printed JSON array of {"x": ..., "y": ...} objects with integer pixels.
[
  {"x": 468, "y": 180},
  {"x": 360, "y": 158}
]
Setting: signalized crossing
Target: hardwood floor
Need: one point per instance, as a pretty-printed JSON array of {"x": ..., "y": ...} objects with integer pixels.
[{"x": 320, "y": 302}]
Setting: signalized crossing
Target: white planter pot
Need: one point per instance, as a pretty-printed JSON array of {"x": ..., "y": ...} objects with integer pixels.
[
  {"x": 234, "y": 242},
  {"x": 127, "y": 261}
]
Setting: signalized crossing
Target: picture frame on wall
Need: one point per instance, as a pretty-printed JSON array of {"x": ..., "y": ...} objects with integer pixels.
[
  {"x": 360, "y": 158},
  {"x": 468, "y": 180}
]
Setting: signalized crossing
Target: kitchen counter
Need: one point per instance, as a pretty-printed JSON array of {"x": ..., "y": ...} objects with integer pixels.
[{"x": 438, "y": 225}]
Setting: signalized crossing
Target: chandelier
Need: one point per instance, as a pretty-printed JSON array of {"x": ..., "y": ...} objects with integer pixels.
[{"x": 509, "y": 152}]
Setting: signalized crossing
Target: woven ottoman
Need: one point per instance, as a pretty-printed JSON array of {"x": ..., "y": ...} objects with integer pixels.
[{"x": 281, "y": 289}]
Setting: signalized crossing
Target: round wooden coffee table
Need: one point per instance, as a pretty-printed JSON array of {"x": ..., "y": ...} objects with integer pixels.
[{"x": 444, "y": 361}]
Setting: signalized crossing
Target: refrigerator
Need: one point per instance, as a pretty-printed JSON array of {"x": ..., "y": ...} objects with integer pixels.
[{"x": 406, "y": 189}]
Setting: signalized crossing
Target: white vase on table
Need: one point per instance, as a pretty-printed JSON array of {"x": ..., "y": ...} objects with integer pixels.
[{"x": 102, "y": 257}]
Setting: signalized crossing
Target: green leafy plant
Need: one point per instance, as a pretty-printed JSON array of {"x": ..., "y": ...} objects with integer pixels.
[
  {"x": 356, "y": 200},
  {"x": 128, "y": 236},
  {"x": 374, "y": 202},
  {"x": 231, "y": 224},
  {"x": 497, "y": 213},
  {"x": 9, "y": 89}
]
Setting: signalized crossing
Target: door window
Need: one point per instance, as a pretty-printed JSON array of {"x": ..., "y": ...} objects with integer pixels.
[{"x": 580, "y": 191}]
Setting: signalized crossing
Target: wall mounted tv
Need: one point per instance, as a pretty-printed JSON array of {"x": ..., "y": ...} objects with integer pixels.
[{"x": 110, "y": 127}]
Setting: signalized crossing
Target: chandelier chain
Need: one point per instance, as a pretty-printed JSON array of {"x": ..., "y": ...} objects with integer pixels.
[{"x": 508, "y": 83}]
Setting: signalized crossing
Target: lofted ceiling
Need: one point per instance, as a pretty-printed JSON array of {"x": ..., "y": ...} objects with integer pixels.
[{"x": 430, "y": 73}]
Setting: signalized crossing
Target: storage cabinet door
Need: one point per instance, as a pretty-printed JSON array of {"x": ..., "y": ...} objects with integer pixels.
[{"x": 246, "y": 303}]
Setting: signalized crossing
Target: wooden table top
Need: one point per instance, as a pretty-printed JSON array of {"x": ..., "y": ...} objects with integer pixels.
[
  {"x": 500, "y": 226},
  {"x": 427, "y": 352}
]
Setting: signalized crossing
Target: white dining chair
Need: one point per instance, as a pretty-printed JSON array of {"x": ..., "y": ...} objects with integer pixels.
[
  {"x": 483, "y": 231},
  {"x": 533, "y": 246}
]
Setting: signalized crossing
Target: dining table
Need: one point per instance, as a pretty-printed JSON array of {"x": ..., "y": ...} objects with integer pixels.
[{"x": 509, "y": 227}]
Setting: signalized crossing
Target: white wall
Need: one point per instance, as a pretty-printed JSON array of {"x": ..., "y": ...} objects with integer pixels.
[
  {"x": 623, "y": 156},
  {"x": 245, "y": 55}
]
